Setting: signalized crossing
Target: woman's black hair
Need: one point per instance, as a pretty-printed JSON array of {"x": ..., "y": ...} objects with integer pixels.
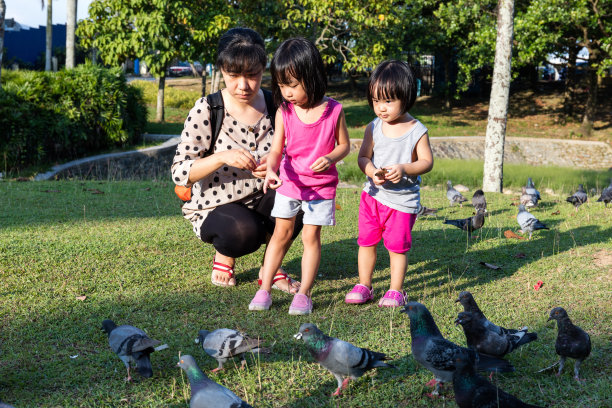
[
  {"x": 241, "y": 50},
  {"x": 300, "y": 59},
  {"x": 393, "y": 79}
]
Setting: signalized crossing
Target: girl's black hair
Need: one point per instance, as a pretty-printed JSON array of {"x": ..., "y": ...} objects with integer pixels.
[
  {"x": 300, "y": 59},
  {"x": 393, "y": 79},
  {"x": 241, "y": 50}
]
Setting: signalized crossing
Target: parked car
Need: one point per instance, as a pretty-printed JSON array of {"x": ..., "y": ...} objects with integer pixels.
[{"x": 183, "y": 68}]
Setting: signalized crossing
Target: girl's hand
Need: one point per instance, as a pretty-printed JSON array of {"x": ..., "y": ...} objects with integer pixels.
[
  {"x": 260, "y": 170},
  {"x": 240, "y": 158},
  {"x": 271, "y": 181},
  {"x": 379, "y": 176},
  {"x": 394, "y": 173},
  {"x": 321, "y": 164}
]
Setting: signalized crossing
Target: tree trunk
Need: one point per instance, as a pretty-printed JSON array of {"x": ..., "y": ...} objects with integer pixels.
[
  {"x": 569, "y": 94},
  {"x": 2, "y": 14},
  {"x": 70, "y": 29},
  {"x": 493, "y": 179},
  {"x": 591, "y": 103},
  {"x": 217, "y": 80},
  {"x": 447, "y": 83},
  {"x": 49, "y": 35},
  {"x": 204, "y": 83},
  {"x": 160, "y": 99}
]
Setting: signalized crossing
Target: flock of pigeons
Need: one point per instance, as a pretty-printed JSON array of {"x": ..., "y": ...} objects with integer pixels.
[
  {"x": 487, "y": 344},
  {"x": 529, "y": 198}
]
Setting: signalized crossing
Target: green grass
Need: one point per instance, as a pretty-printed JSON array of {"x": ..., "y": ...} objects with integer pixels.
[{"x": 133, "y": 256}]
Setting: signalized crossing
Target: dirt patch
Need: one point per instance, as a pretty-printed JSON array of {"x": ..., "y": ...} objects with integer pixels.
[{"x": 603, "y": 259}]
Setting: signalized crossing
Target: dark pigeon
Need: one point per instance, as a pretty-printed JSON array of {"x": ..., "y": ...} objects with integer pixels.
[
  {"x": 223, "y": 344},
  {"x": 469, "y": 305},
  {"x": 606, "y": 195},
  {"x": 578, "y": 198},
  {"x": 479, "y": 201},
  {"x": 528, "y": 221},
  {"x": 344, "y": 360},
  {"x": 132, "y": 345},
  {"x": 453, "y": 195},
  {"x": 437, "y": 354},
  {"x": 488, "y": 341},
  {"x": 469, "y": 224},
  {"x": 528, "y": 200},
  {"x": 571, "y": 342},
  {"x": 532, "y": 190},
  {"x": 473, "y": 391},
  {"x": 205, "y": 393}
]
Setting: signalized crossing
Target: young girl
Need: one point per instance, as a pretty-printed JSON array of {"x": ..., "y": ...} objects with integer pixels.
[
  {"x": 394, "y": 152},
  {"x": 311, "y": 132}
]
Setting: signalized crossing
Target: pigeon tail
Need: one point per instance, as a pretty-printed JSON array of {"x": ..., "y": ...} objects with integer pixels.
[{"x": 526, "y": 338}]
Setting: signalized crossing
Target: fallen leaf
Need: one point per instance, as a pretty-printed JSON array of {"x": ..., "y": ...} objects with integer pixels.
[
  {"x": 51, "y": 191},
  {"x": 511, "y": 234},
  {"x": 147, "y": 189},
  {"x": 96, "y": 191},
  {"x": 81, "y": 298},
  {"x": 520, "y": 255},
  {"x": 556, "y": 212},
  {"x": 338, "y": 207},
  {"x": 491, "y": 266}
]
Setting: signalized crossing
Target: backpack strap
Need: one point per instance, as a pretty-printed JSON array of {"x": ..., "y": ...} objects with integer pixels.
[
  {"x": 215, "y": 102},
  {"x": 270, "y": 105}
]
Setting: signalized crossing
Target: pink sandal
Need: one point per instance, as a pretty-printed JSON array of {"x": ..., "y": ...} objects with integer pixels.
[
  {"x": 219, "y": 267},
  {"x": 393, "y": 298},
  {"x": 359, "y": 295}
]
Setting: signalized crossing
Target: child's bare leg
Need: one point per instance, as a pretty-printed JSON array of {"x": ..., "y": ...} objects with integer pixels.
[
  {"x": 366, "y": 260},
  {"x": 275, "y": 251},
  {"x": 282, "y": 284},
  {"x": 398, "y": 270},
  {"x": 311, "y": 237}
]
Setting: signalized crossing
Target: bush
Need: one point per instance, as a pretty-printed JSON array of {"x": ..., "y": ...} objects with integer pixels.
[
  {"x": 48, "y": 117},
  {"x": 173, "y": 97}
]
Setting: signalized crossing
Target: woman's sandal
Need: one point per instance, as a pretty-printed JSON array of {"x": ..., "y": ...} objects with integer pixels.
[
  {"x": 281, "y": 275},
  {"x": 219, "y": 267}
]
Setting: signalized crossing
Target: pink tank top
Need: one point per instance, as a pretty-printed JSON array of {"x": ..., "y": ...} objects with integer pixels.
[{"x": 305, "y": 143}]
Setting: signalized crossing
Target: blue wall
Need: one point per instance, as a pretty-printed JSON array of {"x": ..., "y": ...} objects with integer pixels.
[{"x": 27, "y": 45}]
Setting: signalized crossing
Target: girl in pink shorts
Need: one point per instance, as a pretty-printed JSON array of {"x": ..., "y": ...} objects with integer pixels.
[{"x": 394, "y": 153}]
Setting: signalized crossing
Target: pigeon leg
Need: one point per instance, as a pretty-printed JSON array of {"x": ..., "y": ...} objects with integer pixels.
[
  {"x": 561, "y": 364},
  {"x": 218, "y": 368},
  {"x": 243, "y": 364},
  {"x": 345, "y": 382},
  {"x": 341, "y": 385},
  {"x": 432, "y": 383},
  {"x": 576, "y": 370},
  {"x": 436, "y": 391},
  {"x": 129, "y": 377}
]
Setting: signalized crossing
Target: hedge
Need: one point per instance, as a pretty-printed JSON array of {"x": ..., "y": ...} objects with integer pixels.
[{"x": 48, "y": 117}]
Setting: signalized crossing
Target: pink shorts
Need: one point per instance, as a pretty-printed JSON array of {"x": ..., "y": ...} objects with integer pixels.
[{"x": 378, "y": 221}]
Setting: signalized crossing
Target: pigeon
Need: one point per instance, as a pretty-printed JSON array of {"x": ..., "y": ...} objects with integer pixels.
[
  {"x": 479, "y": 201},
  {"x": 205, "y": 393},
  {"x": 606, "y": 195},
  {"x": 223, "y": 344},
  {"x": 488, "y": 341},
  {"x": 132, "y": 345},
  {"x": 473, "y": 391},
  {"x": 344, "y": 360},
  {"x": 469, "y": 224},
  {"x": 528, "y": 221},
  {"x": 453, "y": 195},
  {"x": 528, "y": 200},
  {"x": 4, "y": 405},
  {"x": 469, "y": 305},
  {"x": 578, "y": 198},
  {"x": 572, "y": 341},
  {"x": 436, "y": 353},
  {"x": 532, "y": 190},
  {"x": 423, "y": 211}
]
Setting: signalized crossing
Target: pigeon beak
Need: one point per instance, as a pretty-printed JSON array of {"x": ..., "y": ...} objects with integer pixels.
[
  {"x": 298, "y": 336},
  {"x": 457, "y": 321},
  {"x": 549, "y": 319},
  {"x": 457, "y": 300}
]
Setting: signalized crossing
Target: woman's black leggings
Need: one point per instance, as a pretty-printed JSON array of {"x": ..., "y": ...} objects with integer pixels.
[{"x": 235, "y": 230}]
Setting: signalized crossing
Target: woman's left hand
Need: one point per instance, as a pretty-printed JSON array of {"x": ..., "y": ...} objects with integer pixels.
[
  {"x": 262, "y": 167},
  {"x": 394, "y": 173},
  {"x": 321, "y": 164}
]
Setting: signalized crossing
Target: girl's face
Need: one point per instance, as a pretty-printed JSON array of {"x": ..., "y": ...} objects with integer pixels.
[
  {"x": 294, "y": 92},
  {"x": 388, "y": 110},
  {"x": 244, "y": 86}
]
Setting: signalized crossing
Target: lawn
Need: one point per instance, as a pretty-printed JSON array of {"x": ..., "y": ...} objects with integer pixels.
[{"x": 75, "y": 253}]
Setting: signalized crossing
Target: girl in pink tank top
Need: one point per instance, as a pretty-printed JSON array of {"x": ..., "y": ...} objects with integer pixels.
[{"x": 310, "y": 138}]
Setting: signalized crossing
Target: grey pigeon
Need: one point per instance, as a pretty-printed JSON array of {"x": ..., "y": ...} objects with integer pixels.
[
  {"x": 479, "y": 201},
  {"x": 578, "y": 198},
  {"x": 473, "y": 391},
  {"x": 469, "y": 305},
  {"x": 571, "y": 342},
  {"x": 532, "y": 190},
  {"x": 453, "y": 195},
  {"x": 528, "y": 221},
  {"x": 344, "y": 360},
  {"x": 469, "y": 224},
  {"x": 606, "y": 195},
  {"x": 4, "y": 405},
  {"x": 205, "y": 393},
  {"x": 437, "y": 354},
  {"x": 423, "y": 211},
  {"x": 132, "y": 345},
  {"x": 528, "y": 200},
  {"x": 488, "y": 341},
  {"x": 223, "y": 344}
]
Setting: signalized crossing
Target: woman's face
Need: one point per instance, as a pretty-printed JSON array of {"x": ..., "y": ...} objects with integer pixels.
[{"x": 244, "y": 86}]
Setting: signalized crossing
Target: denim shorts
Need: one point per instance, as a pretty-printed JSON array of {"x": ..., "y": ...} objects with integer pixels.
[{"x": 316, "y": 212}]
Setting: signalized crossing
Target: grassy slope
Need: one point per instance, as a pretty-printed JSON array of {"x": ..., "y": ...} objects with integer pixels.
[{"x": 137, "y": 261}]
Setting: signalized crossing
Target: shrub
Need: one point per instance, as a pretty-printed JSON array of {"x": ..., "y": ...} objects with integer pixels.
[
  {"x": 173, "y": 97},
  {"x": 48, "y": 117}
]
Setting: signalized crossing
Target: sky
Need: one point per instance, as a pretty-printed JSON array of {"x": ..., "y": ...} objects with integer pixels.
[{"x": 30, "y": 13}]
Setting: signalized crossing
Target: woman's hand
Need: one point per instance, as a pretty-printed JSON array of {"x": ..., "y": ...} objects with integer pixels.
[
  {"x": 260, "y": 170},
  {"x": 272, "y": 181},
  {"x": 394, "y": 173},
  {"x": 240, "y": 158},
  {"x": 321, "y": 164}
]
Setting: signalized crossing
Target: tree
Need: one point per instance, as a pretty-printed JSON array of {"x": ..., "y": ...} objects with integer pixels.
[
  {"x": 70, "y": 32},
  {"x": 2, "y": 15},
  {"x": 498, "y": 105},
  {"x": 49, "y": 38}
]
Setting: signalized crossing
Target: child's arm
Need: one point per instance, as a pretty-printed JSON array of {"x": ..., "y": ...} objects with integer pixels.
[
  {"x": 274, "y": 157},
  {"x": 422, "y": 162},
  {"x": 342, "y": 148},
  {"x": 365, "y": 157}
]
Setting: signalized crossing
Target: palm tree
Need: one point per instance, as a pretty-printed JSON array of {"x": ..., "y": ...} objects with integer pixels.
[
  {"x": 2, "y": 14},
  {"x": 49, "y": 33},
  {"x": 70, "y": 28}
]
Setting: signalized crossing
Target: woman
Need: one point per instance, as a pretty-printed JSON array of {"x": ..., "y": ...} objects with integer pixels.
[{"x": 227, "y": 207}]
